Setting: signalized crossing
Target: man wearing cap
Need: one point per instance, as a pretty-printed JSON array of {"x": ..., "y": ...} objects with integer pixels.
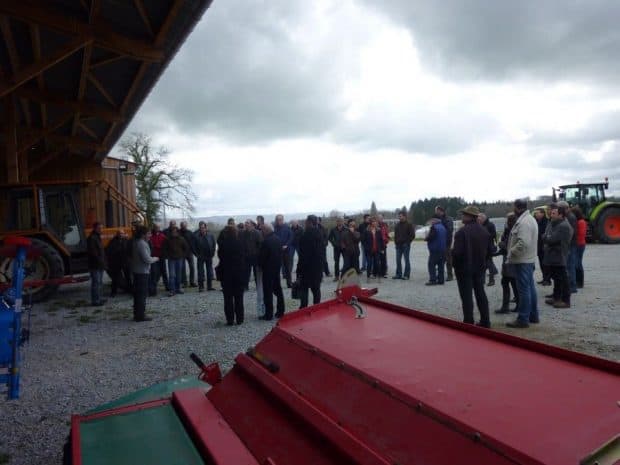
[
  {"x": 469, "y": 258},
  {"x": 522, "y": 252}
]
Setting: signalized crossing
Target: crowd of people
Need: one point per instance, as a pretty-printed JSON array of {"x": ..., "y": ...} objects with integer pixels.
[{"x": 181, "y": 258}]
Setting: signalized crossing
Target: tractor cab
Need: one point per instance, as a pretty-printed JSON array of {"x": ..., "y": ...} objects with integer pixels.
[{"x": 586, "y": 196}]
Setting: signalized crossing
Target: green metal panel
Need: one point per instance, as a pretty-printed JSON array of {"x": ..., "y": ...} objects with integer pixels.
[
  {"x": 153, "y": 436},
  {"x": 596, "y": 212},
  {"x": 157, "y": 391}
]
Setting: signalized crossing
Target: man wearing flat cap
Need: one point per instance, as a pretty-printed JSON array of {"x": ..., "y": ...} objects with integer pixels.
[{"x": 469, "y": 257}]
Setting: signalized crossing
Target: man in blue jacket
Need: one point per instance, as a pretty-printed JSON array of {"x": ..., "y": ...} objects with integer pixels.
[
  {"x": 436, "y": 241},
  {"x": 285, "y": 235}
]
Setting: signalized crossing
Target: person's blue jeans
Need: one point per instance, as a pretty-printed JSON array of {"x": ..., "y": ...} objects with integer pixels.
[
  {"x": 579, "y": 265},
  {"x": 174, "y": 273},
  {"x": 436, "y": 262},
  {"x": 403, "y": 251},
  {"x": 364, "y": 259},
  {"x": 96, "y": 282},
  {"x": 571, "y": 268},
  {"x": 528, "y": 299}
]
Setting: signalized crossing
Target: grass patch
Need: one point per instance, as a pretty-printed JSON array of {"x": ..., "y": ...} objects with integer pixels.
[
  {"x": 97, "y": 310},
  {"x": 85, "y": 319},
  {"x": 4, "y": 458},
  {"x": 77, "y": 304}
]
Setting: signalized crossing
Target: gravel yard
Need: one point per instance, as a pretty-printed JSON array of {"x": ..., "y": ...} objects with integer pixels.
[{"x": 80, "y": 356}]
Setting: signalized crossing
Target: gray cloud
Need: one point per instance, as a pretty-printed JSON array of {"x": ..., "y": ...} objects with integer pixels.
[
  {"x": 501, "y": 40},
  {"x": 602, "y": 127}
]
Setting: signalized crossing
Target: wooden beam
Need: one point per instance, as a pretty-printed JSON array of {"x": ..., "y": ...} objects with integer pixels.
[
  {"x": 39, "y": 12},
  {"x": 38, "y": 134},
  {"x": 33, "y": 70},
  {"x": 12, "y": 162},
  {"x": 7, "y": 33},
  {"x": 159, "y": 40},
  {"x": 102, "y": 90},
  {"x": 145, "y": 17},
  {"x": 88, "y": 130},
  {"x": 100, "y": 111},
  {"x": 77, "y": 143},
  {"x": 106, "y": 61},
  {"x": 35, "y": 38},
  {"x": 46, "y": 159},
  {"x": 88, "y": 50}
]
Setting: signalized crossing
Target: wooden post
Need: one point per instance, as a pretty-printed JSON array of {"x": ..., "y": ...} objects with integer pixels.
[{"x": 12, "y": 161}]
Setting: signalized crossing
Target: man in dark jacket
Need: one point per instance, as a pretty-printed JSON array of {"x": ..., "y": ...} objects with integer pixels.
[
  {"x": 448, "y": 223},
  {"x": 189, "y": 237},
  {"x": 310, "y": 265},
  {"x": 324, "y": 240},
  {"x": 203, "y": 246},
  {"x": 335, "y": 239},
  {"x": 350, "y": 245},
  {"x": 436, "y": 242},
  {"x": 404, "y": 233},
  {"x": 362, "y": 230},
  {"x": 571, "y": 261},
  {"x": 557, "y": 242},
  {"x": 175, "y": 249},
  {"x": 96, "y": 264},
  {"x": 251, "y": 239},
  {"x": 285, "y": 235},
  {"x": 543, "y": 221},
  {"x": 469, "y": 257},
  {"x": 492, "y": 230},
  {"x": 270, "y": 262},
  {"x": 118, "y": 257}
]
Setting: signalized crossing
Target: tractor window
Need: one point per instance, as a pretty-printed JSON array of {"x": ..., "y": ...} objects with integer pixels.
[
  {"x": 22, "y": 213},
  {"x": 62, "y": 218}
]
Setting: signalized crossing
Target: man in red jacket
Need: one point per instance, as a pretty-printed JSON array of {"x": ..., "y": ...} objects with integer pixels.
[{"x": 158, "y": 269}]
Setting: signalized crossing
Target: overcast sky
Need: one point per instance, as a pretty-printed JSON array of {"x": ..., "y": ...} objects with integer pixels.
[{"x": 291, "y": 105}]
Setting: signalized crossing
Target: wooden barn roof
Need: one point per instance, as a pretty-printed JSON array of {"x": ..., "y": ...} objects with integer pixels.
[{"x": 74, "y": 72}]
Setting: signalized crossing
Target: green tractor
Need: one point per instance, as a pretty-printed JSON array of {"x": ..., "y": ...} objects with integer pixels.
[{"x": 603, "y": 215}]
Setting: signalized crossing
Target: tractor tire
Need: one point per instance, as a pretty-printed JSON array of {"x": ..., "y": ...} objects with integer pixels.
[
  {"x": 48, "y": 265},
  {"x": 608, "y": 226}
]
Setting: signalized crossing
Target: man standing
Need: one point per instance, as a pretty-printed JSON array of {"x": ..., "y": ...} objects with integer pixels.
[
  {"x": 285, "y": 235},
  {"x": 436, "y": 242},
  {"x": 118, "y": 257},
  {"x": 324, "y": 233},
  {"x": 469, "y": 256},
  {"x": 260, "y": 298},
  {"x": 141, "y": 263},
  {"x": 203, "y": 245},
  {"x": 335, "y": 239},
  {"x": 541, "y": 218},
  {"x": 557, "y": 242},
  {"x": 571, "y": 262},
  {"x": 448, "y": 223},
  {"x": 362, "y": 230},
  {"x": 270, "y": 262},
  {"x": 492, "y": 230},
  {"x": 96, "y": 264},
  {"x": 251, "y": 239},
  {"x": 310, "y": 266},
  {"x": 404, "y": 233},
  {"x": 175, "y": 250},
  {"x": 159, "y": 267},
  {"x": 350, "y": 245},
  {"x": 385, "y": 235},
  {"x": 522, "y": 251},
  {"x": 189, "y": 237}
]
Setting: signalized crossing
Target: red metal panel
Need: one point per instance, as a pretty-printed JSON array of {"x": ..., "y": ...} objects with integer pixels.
[
  {"x": 210, "y": 432},
  {"x": 552, "y": 410}
]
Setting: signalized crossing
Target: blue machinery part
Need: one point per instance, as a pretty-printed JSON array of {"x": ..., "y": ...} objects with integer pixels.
[{"x": 11, "y": 309}]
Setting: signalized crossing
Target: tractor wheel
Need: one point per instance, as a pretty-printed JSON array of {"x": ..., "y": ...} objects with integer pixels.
[
  {"x": 608, "y": 226},
  {"x": 48, "y": 265}
]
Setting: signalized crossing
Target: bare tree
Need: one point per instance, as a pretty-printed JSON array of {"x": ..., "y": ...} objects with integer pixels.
[{"x": 159, "y": 183}]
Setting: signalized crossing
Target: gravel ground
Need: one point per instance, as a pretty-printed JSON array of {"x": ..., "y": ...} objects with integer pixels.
[{"x": 80, "y": 356}]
